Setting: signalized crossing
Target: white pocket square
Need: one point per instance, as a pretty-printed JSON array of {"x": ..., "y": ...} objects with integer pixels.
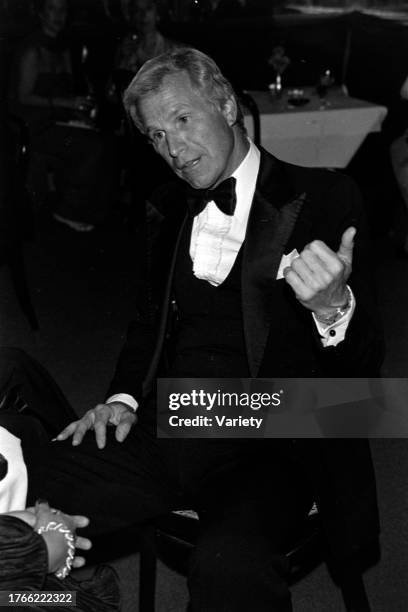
[{"x": 285, "y": 262}]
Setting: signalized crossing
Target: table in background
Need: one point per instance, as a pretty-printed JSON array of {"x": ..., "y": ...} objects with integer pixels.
[{"x": 315, "y": 134}]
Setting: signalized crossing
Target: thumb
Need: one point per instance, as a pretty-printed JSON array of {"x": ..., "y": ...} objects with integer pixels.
[{"x": 345, "y": 251}]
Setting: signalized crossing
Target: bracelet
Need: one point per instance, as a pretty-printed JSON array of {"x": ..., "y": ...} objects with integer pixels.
[{"x": 69, "y": 538}]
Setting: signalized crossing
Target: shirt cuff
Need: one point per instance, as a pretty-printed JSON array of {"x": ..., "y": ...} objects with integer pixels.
[
  {"x": 124, "y": 398},
  {"x": 331, "y": 335}
]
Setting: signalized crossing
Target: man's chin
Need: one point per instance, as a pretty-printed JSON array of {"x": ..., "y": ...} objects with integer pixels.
[
  {"x": 197, "y": 183},
  {"x": 193, "y": 184}
]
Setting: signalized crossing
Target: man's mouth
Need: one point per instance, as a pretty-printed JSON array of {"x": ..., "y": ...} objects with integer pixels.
[{"x": 187, "y": 166}]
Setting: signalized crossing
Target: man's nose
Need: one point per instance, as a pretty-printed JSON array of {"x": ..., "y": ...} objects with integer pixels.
[{"x": 175, "y": 144}]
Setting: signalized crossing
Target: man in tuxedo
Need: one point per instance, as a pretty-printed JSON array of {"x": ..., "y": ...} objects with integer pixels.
[{"x": 266, "y": 268}]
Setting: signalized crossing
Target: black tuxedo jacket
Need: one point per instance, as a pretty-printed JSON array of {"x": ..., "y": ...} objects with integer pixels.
[{"x": 291, "y": 207}]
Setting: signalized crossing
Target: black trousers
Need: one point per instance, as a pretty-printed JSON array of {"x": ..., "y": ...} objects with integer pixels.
[{"x": 250, "y": 495}]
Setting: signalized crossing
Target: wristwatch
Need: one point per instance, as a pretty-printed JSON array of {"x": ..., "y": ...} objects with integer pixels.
[{"x": 340, "y": 311}]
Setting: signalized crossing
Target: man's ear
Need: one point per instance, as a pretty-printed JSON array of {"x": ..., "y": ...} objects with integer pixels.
[{"x": 230, "y": 111}]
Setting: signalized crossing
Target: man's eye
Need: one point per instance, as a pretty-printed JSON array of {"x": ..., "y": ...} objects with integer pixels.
[
  {"x": 157, "y": 137},
  {"x": 184, "y": 118}
]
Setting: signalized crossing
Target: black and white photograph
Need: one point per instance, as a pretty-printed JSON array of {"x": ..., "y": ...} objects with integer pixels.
[{"x": 204, "y": 305}]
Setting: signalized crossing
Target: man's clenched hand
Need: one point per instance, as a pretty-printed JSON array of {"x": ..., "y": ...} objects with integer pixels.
[
  {"x": 98, "y": 419},
  {"x": 319, "y": 275}
]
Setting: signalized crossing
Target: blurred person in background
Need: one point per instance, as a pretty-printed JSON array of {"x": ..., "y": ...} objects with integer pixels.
[
  {"x": 60, "y": 122},
  {"x": 143, "y": 40}
]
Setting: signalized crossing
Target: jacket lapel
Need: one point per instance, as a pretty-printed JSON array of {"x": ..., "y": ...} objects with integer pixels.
[{"x": 274, "y": 211}]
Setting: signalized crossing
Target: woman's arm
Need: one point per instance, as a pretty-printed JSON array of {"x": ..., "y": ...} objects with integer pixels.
[{"x": 23, "y": 555}]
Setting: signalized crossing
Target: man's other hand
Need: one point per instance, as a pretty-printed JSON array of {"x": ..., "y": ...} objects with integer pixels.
[
  {"x": 319, "y": 275},
  {"x": 98, "y": 419}
]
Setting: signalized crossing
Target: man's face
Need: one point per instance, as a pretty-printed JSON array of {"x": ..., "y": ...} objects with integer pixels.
[{"x": 194, "y": 137}]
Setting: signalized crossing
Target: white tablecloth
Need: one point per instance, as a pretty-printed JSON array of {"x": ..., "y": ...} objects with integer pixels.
[{"x": 315, "y": 136}]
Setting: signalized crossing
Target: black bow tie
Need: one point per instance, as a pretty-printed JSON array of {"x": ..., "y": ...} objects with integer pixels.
[{"x": 223, "y": 195}]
